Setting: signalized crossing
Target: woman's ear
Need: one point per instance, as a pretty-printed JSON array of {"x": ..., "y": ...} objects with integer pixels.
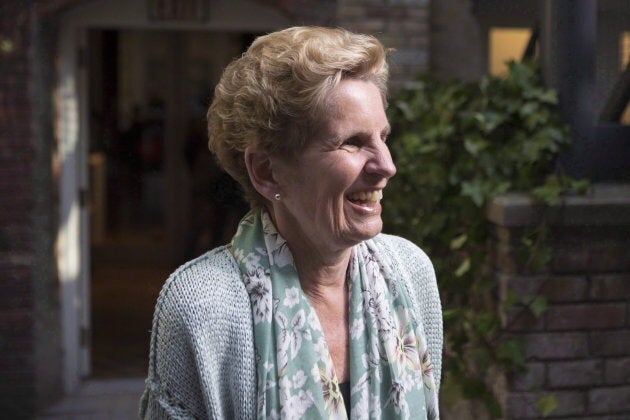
[{"x": 260, "y": 172}]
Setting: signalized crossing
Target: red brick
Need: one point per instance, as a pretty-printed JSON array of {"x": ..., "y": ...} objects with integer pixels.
[
  {"x": 554, "y": 288},
  {"x": 610, "y": 343},
  {"x": 575, "y": 374},
  {"x": 569, "y": 260},
  {"x": 586, "y": 316},
  {"x": 610, "y": 287},
  {"x": 16, "y": 362},
  {"x": 17, "y": 236},
  {"x": 547, "y": 346},
  {"x": 520, "y": 318},
  {"x": 21, "y": 344},
  {"x": 565, "y": 289},
  {"x": 523, "y": 404},
  {"x": 604, "y": 256},
  {"x": 617, "y": 371},
  {"x": 16, "y": 323},
  {"x": 387, "y": 12},
  {"x": 613, "y": 400},
  {"x": 11, "y": 300}
]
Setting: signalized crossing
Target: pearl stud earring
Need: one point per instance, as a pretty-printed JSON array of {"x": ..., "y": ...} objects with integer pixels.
[{"x": 277, "y": 196}]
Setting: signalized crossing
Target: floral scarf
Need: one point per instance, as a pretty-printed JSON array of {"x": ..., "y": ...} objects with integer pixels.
[{"x": 390, "y": 369}]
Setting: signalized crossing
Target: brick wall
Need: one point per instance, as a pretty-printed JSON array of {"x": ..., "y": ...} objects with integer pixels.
[
  {"x": 16, "y": 205},
  {"x": 579, "y": 349},
  {"x": 399, "y": 24},
  {"x": 29, "y": 328}
]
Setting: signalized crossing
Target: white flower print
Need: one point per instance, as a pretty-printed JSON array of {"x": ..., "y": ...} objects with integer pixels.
[
  {"x": 285, "y": 387},
  {"x": 378, "y": 307},
  {"x": 375, "y": 406},
  {"x": 291, "y": 333},
  {"x": 277, "y": 248},
  {"x": 299, "y": 379},
  {"x": 313, "y": 320},
  {"x": 252, "y": 262},
  {"x": 396, "y": 398},
  {"x": 292, "y": 297},
  {"x": 315, "y": 373},
  {"x": 258, "y": 285},
  {"x": 296, "y": 405},
  {"x": 372, "y": 269},
  {"x": 238, "y": 255},
  {"x": 357, "y": 329},
  {"x": 361, "y": 408},
  {"x": 321, "y": 349}
]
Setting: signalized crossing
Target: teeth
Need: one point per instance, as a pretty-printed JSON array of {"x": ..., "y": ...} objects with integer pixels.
[{"x": 372, "y": 196}]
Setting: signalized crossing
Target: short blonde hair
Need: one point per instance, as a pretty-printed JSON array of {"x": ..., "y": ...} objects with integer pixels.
[{"x": 274, "y": 97}]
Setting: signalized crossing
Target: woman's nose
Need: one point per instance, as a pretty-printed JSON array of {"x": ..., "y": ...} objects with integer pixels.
[{"x": 381, "y": 163}]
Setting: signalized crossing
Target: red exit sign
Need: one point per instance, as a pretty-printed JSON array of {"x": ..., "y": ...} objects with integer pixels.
[{"x": 179, "y": 10}]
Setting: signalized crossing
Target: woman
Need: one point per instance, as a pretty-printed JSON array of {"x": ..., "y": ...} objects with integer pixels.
[{"x": 310, "y": 312}]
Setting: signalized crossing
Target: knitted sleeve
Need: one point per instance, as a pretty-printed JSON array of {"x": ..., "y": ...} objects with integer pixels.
[
  {"x": 417, "y": 269},
  {"x": 201, "y": 359}
]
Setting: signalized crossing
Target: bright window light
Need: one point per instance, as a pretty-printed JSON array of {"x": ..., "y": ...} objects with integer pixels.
[{"x": 506, "y": 44}]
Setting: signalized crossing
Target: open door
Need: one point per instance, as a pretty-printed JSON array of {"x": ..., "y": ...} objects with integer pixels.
[{"x": 131, "y": 84}]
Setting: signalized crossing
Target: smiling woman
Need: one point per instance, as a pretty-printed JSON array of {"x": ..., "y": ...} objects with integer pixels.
[{"x": 310, "y": 311}]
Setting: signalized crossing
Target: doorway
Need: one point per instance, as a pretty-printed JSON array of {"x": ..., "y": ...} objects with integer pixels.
[{"x": 151, "y": 175}]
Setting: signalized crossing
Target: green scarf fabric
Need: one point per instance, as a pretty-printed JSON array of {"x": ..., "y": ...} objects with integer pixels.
[{"x": 390, "y": 369}]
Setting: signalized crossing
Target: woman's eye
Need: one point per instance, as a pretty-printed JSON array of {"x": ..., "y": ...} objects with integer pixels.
[{"x": 352, "y": 142}]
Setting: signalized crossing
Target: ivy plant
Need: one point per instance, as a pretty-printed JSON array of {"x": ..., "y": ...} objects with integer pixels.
[{"x": 456, "y": 146}]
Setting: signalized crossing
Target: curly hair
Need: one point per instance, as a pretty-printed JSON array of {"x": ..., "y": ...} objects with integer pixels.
[{"x": 275, "y": 96}]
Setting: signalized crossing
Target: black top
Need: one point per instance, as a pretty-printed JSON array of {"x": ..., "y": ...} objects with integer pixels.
[{"x": 345, "y": 393}]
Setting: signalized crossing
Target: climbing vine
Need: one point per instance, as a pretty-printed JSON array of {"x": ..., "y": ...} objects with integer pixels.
[{"x": 456, "y": 146}]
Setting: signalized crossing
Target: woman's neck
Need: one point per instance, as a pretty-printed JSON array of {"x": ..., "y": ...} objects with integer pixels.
[
  {"x": 321, "y": 269},
  {"x": 320, "y": 279}
]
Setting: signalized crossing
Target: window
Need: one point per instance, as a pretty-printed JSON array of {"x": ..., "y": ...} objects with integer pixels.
[{"x": 506, "y": 44}]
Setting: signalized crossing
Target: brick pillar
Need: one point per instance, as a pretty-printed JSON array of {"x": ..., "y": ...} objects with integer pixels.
[
  {"x": 16, "y": 204},
  {"x": 579, "y": 349},
  {"x": 30, "y": 351}
]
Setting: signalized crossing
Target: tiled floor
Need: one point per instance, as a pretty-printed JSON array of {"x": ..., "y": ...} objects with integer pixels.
[{"x": 116, "y": 399}]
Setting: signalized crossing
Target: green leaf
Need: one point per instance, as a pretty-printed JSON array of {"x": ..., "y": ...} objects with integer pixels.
[
  {"x": 546, "y": 405},
  {"x": 511, "y": 351},
  {"x": 463, "y": 268},
  {"x": 458, "y": 241},
  {"x": 538, "y": 306},
  {"x": 580, "y": 186},
  {"x": 510, "y": 300},
  {"x": 475, "y": 190},
  {"x": 549, "y": 193},
  {"x": 450, "y": 314}
]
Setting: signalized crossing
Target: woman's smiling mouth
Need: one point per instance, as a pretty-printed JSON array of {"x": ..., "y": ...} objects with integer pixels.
[{"x": 366, "y": 199}]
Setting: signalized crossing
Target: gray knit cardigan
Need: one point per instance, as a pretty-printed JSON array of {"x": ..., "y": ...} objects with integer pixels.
[{"x": 202, "y": 362}]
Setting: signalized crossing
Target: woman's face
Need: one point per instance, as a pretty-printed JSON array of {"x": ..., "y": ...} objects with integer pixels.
[{"x": 331, "y": 193}]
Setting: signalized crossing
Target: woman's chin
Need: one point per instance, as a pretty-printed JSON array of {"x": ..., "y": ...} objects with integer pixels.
[{"x": 362, "y": 230}]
